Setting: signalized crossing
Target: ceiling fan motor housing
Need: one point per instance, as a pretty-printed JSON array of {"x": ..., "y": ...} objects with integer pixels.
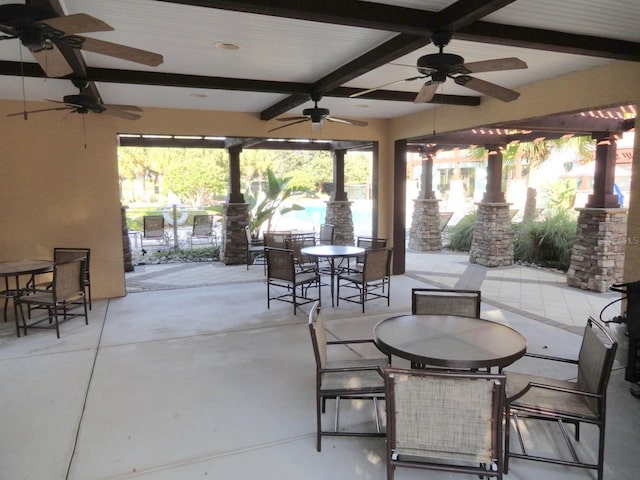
[
  {"x": 316, "y": 114},
  {"x": 448, "y": 63}
]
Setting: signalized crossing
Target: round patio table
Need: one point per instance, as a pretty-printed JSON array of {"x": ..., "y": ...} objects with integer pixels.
[
  {"x": 331, "y": 252},
  {"x": 16, "y": 268},
  {"x": 449, "y": 341}
]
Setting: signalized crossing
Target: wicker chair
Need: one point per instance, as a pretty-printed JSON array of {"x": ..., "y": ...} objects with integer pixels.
[
  {"x": 445, "y": 421},
  {"x": 283, "y": 280},
  {"x": 442, "y": 301},
  {"x": 65, "y": 297},
  {"x": 356, "y": 378},
  {"x": 531, "y": 398},
  {"x": 373, "y": 282}
]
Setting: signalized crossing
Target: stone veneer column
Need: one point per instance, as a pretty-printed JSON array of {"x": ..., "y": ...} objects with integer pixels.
[
  {"x": 597, "y": 259},
  {"x": 425, "y": 225},
  {"x": 126, "y": 243},
  {"x": 339, "y": 214},
  {"x": 233, "y": 248},
  {"x": 492, "y": 243}
]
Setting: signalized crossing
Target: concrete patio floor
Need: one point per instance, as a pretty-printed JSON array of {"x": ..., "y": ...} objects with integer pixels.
[{"x": 190, "y": 376}]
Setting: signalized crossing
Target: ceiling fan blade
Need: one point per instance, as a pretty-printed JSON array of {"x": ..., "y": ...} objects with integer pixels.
[
  {"x": 289, "y": 119},
  {"x": 121, "y": 51},
  {"x": 487, "y": 88},
  {"x": 77, "y": 23},
  {"x": 131, "y": 108},
  {"x": 364, "y": 92},
  {"x": 496, "y": 65},
  {"x": 114, "y": 112},
  {"x": 305, "y": 119},
  {"x": 357, "y": 123},
  {"x": 39, "y": 110},
  {"x": 53, "y": 62},
  {"x": 427, "y": 92}
]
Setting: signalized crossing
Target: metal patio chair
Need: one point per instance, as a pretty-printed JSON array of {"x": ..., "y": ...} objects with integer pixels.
[
  {"x": 531, "y": 398},
  {"x": 444, "y": 421},
  {"x": 350, "y": 379},
  {"x": 283, "y": 281},
  {"x": 373, "y": 282},
  {"x": 445, "y": 301}
]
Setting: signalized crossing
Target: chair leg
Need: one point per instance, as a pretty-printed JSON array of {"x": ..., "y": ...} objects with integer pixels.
[
  {"x": 507, "y": 435},
  {"x": 55, "y": 317},
  {"x": 320, "y": 403}
]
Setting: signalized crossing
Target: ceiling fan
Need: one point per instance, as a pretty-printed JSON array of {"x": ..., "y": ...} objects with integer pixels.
[
  {"x": 316, "y": 116},
  {"x": 438, "y": 66},
  {"x": 83, "y": 104},
  {"x": 42, "y": 31}
]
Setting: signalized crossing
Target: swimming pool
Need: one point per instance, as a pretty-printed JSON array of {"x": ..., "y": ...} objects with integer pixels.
[{"x": 314, "y": 214}]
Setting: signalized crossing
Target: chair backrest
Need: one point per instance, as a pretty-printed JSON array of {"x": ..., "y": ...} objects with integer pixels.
[
  {"x": 153, "y": 227},
  {"x": 597, "y": 352},
  {"x": 371, "y": 242},
  {"x": 280, "y": 264},
  {"x": 377, "y": 264},
  {"x": 67, "y": 254},
  {"x": 276, "y": 239},
  {"x": 202, "y": 225},
  {"x": 425, "y": 301},
  {"x": 445, "y": 415},
  {"x": 297, "y": 243},
  {"x": 445, "y": 217},
  {"x": 318, "y": 335},
  {"x": 68, "y": 279},
  {"x": 327, "y": 234}
]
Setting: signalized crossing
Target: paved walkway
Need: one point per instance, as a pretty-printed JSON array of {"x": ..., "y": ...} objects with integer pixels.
[{"x": 532, "y": 292}]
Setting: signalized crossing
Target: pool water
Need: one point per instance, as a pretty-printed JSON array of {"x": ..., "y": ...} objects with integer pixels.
[{"x": 313, "y": 215}]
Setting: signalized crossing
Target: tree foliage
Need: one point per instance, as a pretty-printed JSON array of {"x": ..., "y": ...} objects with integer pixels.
[{"x": 197, "y": 176}]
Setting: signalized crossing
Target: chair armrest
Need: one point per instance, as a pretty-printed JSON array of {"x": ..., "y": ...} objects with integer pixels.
[
  {"x": 553, "y": 388},
  {"x": 343, "y": 342},
  {"x": 359, "y": 368},
  {"x": 360, "y": 341},
  {"x": 549, "y": 357}
]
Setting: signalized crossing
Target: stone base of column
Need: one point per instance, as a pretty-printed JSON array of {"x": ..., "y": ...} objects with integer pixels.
[
  {"x": 233, "y": 248},
  {"x": 597, "y": 259},
  {"x": 339, "y": 214},
  {"x": 126, "y": 243},
  {"x": 492, "y": 242},
  {"x": 425, "y": 232}
]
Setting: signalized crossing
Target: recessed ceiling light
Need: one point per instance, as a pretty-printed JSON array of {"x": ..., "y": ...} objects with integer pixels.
[
  {"x": 198, "y": 95},
  {"x": 226, "y": 46},
  {"x": 361, "y": 105}
]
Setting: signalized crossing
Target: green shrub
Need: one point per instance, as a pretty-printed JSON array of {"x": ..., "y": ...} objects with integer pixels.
[
  {"x": 205, "y": 254},
  {"x": 547, "y": 243},
  {"x": 461, "y": 234}
]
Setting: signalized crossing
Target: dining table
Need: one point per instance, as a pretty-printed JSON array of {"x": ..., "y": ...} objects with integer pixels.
[
  {"x": 449, "y": 341},
  {"x": 14, "y": 269},
  {"x": 331, "y": 253}
]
